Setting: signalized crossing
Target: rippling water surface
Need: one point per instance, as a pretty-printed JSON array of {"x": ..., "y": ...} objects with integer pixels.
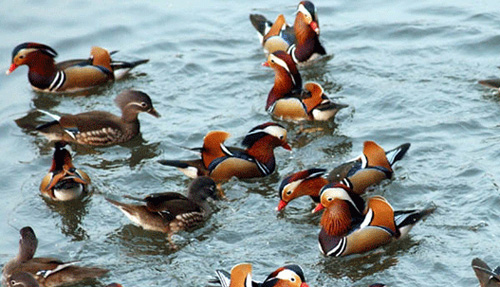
[{"x": 407, "y": 69}]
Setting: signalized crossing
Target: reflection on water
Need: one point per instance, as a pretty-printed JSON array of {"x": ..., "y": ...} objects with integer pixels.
[{"x": 71, "y": 213}]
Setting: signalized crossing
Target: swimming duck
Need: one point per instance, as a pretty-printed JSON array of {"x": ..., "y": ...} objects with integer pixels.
[
  {"x": 348, "y": 227},
  {"x": 289, "y": 100},
  {"x": 170, "y": 212},
  {"x": 49, "y": 272},
  {"x": 69, "y": 76},
  {"x": 301, "y": 42},
  {"x": 486, "y": 276},
  {"x": 222, "y": 163},
  {"x": 241, "y": 276},
  {"x": 491, "y": 83},
  {"x": 370, "y": 168},
  {"x": 22, "y": 279},
  {"x": 64, "y": 181},
  {"x": 98, "y": 128}
]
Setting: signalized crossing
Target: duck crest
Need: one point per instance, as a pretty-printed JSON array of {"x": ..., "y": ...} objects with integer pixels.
[
  {"x": 212, "y": 146},
  {"x": 336, "y": 219},
  {"x": 35, "y": 46},
  {"x": 61, "y": 158},
  {"x": 375, "y": 155}
]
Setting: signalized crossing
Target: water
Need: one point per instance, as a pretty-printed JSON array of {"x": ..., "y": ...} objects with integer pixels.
[{"x": 408, "y": 71}]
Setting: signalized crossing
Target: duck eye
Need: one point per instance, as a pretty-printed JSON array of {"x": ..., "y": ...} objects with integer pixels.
[
  {"x": 281, "y": 137},
  {"x": 289, "y": 192},
  {"x": 292, "y": 279},
  {"x": 143, "y": 104},
  {"x": 12, "y": 282},
  {"x": 329, "y": 199},
  {"x": 21, "y": 57}
]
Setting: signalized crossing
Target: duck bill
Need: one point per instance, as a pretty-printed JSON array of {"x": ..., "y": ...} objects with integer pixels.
[
  {"x": 286, "y": 146},
  {"x": 281, "y": 205},
  {"x": 318, "y": 208},
  {"x": 266, "y": 64},
  {"x": 11, "y": 69},
  {"x": 314, "y": 26},
  {"x": 304, "y": 284},
  {"x": 154, "y": 113}
]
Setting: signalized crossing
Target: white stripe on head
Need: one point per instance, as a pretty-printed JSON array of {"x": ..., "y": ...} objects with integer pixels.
[
  {"x": 287, "y": 274},
  {"x": 279, "y": 62},
  {"x": 304, "y": 11},
  {"x": 338, "y": 193}
]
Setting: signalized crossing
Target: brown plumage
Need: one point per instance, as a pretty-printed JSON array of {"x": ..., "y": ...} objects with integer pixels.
[
  {"x": 170, "y": 212},
  {"x": 49, "y": 272},
  {"x": 100, "y": 128},
  {"x": 68, "y": 76}
]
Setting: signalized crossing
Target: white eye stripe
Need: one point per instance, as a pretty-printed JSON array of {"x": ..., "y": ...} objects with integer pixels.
[
  {"x": 340, "y": 193},
  {"x": 291, "y": 186},
  {"x": 304, "y": 11},
  {"x": 286, "y": 275},
  {"x": 276, "y": 131},
  {"x": 280, "y": 62}
]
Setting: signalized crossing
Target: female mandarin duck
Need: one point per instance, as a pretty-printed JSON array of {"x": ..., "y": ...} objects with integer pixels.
[
  {"x": 301, "y": 42},
  {"x": 241, "y": 276},
  {"x": 21, "y": 279},
  {"x": 486, "y": 276},
  {"x": 69, "y": 76},
  {"x": 289, "y": 100},
  {"x": 48, "y": 272},
  {"x": 370, "y": 168},
  {"x": 222, "y": 163},
  {"x": 350, "y": 228},
  {"x": 100, "y": 128},
  {"x": 64, "y": 182},
  {"x": 170, "y": 212}
]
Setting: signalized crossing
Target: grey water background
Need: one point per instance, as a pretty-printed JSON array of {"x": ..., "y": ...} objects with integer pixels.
[{"x": 407, "y": 69}]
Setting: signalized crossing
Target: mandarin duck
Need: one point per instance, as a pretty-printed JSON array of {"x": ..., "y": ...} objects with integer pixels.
[
  {"x": 486, "y": 276},
  {"x": 22, "y": 279},
  {"x": 288, "y": 100},
  {"x": 69, "y": 76},
  {"x": 348, "y": 227},
  {"x": 370, "y": 168},
  {"x": 301, "y": 41},
  {"x": 48, "y": 272},
  {"x": 170, "y": 212},
  {"x": 100, "y": 128},
  {"x": 241, "y": 276},
  {"x": 63, "y": 182},
  {"x": 491, "y": 83},
  {"x": 222, "y": 163}
]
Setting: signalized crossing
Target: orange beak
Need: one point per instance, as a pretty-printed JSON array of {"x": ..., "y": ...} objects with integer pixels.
[
  {"x": 318, "y": 208},
  {"x": 304, "y": 284},
  {"x": 281, "y": 205},
  {"x": 11, "y": 69},
  {"x": 265, "y": 64},
  {"x": 314, "y": 26}
]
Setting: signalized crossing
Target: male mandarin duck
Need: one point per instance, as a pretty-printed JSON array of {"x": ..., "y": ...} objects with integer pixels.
[
  {"x": 241, "y": 276},
  {"x": 69, "y": 76},
  {"x": 370, "y": 168},
  {"x": 289, "y": 100},
  {"x": 170, "y": 212},
  {"x": 222, "y": 163},
  {"x": 301, "y": 42},
  {"x": 100, "y": 128},
  {"x": 48, "y": 272},
  {"x": 486, "y": 276},
  {"x": 348, "y": 227},
  {"x": 64, "y": 182}
]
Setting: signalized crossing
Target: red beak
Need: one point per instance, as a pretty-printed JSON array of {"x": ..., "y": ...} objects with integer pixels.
[
  {"x": 11, "y": 69},
  {"x": 286, "y": 146},
  {"x": 281, "y": 205},
  {"x": 304, "y": 284},
  {"x": 314, "y": 26},
  {"x": 265, "y": 64},
  {"x": 318, "y": 208}
]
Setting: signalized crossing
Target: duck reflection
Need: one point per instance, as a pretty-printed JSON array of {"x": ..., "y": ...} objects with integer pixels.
[{"x": 72, "y": 213}]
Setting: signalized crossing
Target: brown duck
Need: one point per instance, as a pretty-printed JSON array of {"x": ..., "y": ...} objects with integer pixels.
[
  {"x": 99, "y": 128},
  {"x": 170, "y": 212},
  {"x": 64, "y": 182},
  {"x": 48, "y": 272},
  {"x": 69, "y": 76}
]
